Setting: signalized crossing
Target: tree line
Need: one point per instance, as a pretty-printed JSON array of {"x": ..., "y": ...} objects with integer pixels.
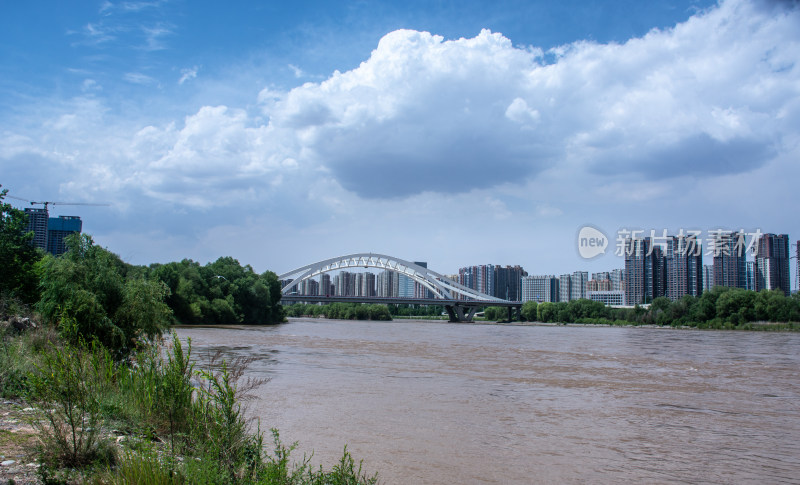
[
  {"x": 90, "y": 293},
  {"x": 340, "y": 311},
  {"x": 720, "y": 307}
]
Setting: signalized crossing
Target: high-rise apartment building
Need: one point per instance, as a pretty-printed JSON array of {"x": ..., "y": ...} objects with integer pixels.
[
  {"x": 655, "y": 273},
  {"x": 386, "y": 284},
  {"x": 598, "y": 285},
  {"x": 644, "y": 271},
  {"x": 750, "y": 275},
  {"x": 771, "y": 265},
  {"x": 345, "y": 284},
  {"x": 507, "y": 282},
  {"x": 601, "y": 281},
  {"x": 420, "y": 291},
  {"x": 634, "y": 251},
  {"x": 58, "y": 228},
  {"x": 578, "y": 281},
  {"x": 294, "y": 290},
  {"x": 49, "y": 232},
  {"x": 405, "y": 286},
  {"x": 730, "y": 264},
  {"x": 498, "y": 281},
  {"x": 368, "y": 284},
  {"x": 325, "y": 286},
  {"x": 309, "y": 286},
  {"x": 38, "y": 220},
  {"x": 617, "y": 278},
  {"x": 480, "y": 278},
  {"x": 708, "y": 277},
  {"x": 564, "y": 287},
  {"x": 683, "y": 262},
  {"x": 540, "y": 288}
]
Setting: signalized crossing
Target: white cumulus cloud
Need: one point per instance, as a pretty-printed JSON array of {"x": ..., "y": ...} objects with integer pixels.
[{"x": 426, "y": 118}]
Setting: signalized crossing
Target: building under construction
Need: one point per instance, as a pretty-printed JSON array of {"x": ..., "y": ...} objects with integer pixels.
[{"x": 49, "y": 232}]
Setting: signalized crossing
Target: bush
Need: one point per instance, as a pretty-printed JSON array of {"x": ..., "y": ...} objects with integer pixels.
[
  {"x": 68, "y": 386},
  {"x": 157, "y": 393},
  {"x": 220, "y": 431},
  {"x": 85, "y": 292},
  {"x": 529, "y": 311}
]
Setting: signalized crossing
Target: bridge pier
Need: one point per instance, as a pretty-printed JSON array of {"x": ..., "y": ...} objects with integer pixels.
[
  {"x": 514, "y": 313},
  {"x": 456, "y": 313}
]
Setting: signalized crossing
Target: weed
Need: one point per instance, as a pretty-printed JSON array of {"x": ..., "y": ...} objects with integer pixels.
[{"x": 67, "y": 386}]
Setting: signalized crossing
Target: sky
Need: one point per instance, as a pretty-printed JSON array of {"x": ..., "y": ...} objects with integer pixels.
[{"x": 457, "y": 133}]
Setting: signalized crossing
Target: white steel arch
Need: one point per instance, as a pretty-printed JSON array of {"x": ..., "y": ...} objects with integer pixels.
[{"x": 442, "y": 287}]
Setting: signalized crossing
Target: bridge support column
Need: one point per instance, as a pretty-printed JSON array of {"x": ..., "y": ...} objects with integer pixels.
[
  {"x": 456, "y": 313},
  {"x": 514, "y": 314}
]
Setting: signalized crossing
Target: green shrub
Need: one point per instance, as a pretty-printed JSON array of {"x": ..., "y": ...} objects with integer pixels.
[
  {"x": 220, "y": 430},
  {"x": 67, "y": 386}
]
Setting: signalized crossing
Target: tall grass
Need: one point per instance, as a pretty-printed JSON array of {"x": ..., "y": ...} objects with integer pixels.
[
  {"x": 67, "y": 385},
  {"x": 185, "y": 425}
]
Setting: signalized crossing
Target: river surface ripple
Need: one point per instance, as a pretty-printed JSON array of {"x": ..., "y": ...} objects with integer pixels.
[{"x": 441, "y": 403}]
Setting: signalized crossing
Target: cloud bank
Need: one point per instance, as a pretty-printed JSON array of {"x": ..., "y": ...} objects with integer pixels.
[{"x": 714, "y": 96}]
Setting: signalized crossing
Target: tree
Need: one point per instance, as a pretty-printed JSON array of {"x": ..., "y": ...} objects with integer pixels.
[
  {"x": 736, "y": 305},
  {"x": 529, "y": 311},
  {"x": 86, "y": 293},
  {"x": 547, "y": 312},
  {"x": 495, "y": 313},
  {"x": 18, "y": 257},
  {"x": 222, "y": 292}
]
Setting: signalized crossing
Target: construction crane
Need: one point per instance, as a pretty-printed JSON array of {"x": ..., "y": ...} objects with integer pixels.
[
  {"x": 44, "y": 204},
  {"x": 40, "y": 224}
]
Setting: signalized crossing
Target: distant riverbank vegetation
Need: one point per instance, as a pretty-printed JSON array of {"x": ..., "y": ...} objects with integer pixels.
[
  {"x": 719, "y": 308},
  {"x": 340, "y": 311},
  {"x": 364, "y": 311},
  {"x": 81, "y": 352}
]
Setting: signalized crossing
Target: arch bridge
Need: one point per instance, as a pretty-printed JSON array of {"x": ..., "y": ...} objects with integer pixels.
[{"x": 461, "y": 302}]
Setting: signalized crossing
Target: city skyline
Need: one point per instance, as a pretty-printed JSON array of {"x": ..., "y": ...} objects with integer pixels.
[
  {"x": 282, "y": 135},
  {"x": 668, "y": 266}
]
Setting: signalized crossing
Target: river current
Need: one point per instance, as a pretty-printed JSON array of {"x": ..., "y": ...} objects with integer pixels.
[{"x": 441, "y": 403}]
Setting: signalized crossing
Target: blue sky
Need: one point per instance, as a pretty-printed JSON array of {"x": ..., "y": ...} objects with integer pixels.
[{"x": 456, "y": 133}]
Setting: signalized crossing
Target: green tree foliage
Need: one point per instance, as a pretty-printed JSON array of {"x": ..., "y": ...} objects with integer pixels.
[
  {"x": 496, "y": 313},
  {"x": 89, "y": 295},
  {"x": 17, "y": 256},
  {"x": 222, "y": 292},
  {"x": 546, "y": 312},
  {"x": 719, "y": 308},
  {"x": 341, "y": 311},
  {"x": 529, "y": 311},
  {"x": 405, "y": 310}
]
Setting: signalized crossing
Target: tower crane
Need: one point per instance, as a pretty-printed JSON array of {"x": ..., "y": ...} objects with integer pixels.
[
  {"x": 40, "y": 226},
  {"x": 44, "y": 204}
]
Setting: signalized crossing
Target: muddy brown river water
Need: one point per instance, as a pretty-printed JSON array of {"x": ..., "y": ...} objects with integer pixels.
[{"x": 441, "y": 403}]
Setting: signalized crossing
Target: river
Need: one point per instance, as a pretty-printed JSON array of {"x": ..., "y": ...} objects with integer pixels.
[{"x": 441, "y": 403}]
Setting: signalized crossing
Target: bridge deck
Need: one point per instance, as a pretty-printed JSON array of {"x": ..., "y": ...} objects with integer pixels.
[{"x": 397, "y": 301}]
